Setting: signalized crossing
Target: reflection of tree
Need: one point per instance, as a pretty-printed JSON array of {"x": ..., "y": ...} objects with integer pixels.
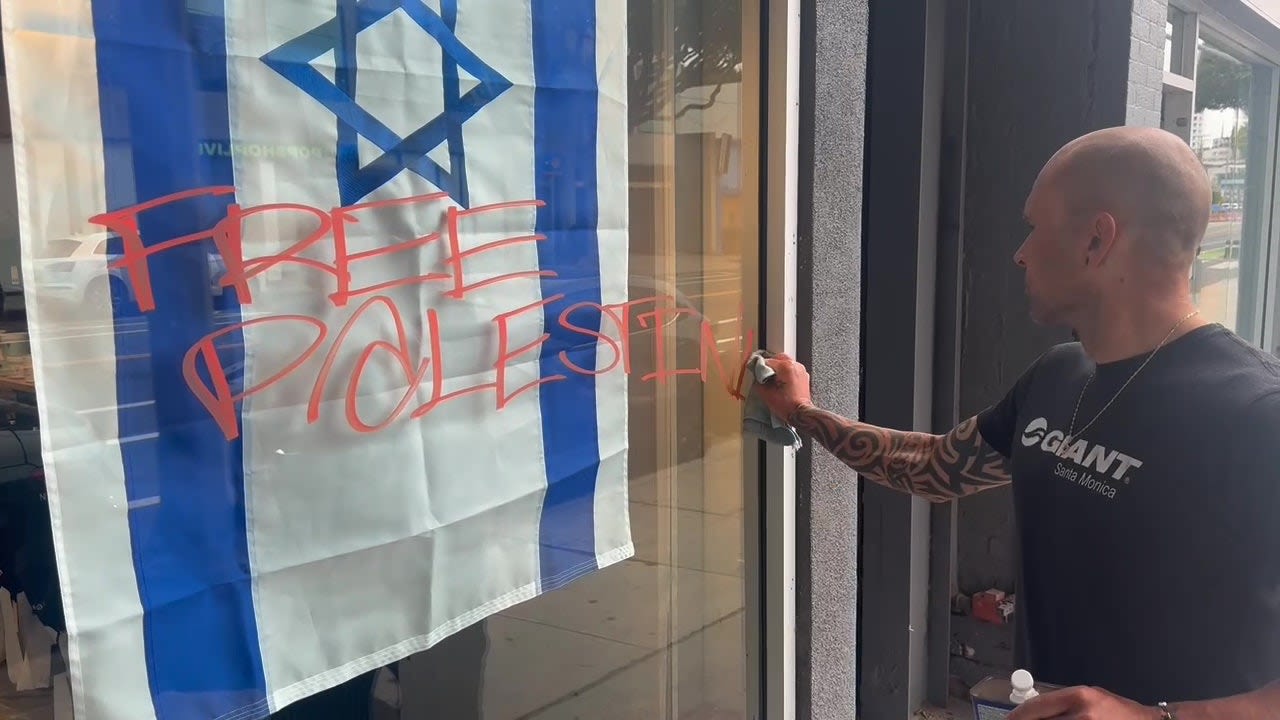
[
  {"x": 1221, "y": 82},
  {"x": 703, "y": 48},
  {"x": 1240, "y": 137},
  {"x": 1224, "y": 83}
]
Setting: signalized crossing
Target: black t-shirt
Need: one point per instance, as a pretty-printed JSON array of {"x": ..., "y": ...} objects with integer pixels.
[{"x": 1149, "y": 560}]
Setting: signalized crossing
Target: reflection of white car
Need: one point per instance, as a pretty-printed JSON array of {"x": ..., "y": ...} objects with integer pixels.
[{"x": 75, "y": 270}]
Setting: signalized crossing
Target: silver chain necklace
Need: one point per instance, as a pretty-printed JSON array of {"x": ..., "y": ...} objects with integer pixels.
[{"x": 1072, "y": 434}]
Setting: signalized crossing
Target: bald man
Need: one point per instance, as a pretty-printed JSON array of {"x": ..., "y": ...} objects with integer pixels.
[{"x": 1144, "y": 459}]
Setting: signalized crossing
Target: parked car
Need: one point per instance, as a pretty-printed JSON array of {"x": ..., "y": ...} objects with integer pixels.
[{"x": 76, "y": 269}]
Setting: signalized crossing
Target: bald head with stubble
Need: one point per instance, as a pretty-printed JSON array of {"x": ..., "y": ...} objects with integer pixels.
[
  {"x": 1117, "y": 217},
  {"x": 1148, "y": 180}
]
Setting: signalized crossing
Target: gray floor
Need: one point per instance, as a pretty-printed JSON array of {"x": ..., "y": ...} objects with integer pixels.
[
  {"x": 31, "y": 705},
  {"x": 661, "y": 635},
  {"x": 956, "y": 710}
]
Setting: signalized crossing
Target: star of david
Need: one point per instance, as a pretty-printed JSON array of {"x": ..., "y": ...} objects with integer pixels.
[{"x": 293, "y": 59}]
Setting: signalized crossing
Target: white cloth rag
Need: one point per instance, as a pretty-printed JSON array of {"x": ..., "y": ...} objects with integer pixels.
[{"x": 757, "y": 419}]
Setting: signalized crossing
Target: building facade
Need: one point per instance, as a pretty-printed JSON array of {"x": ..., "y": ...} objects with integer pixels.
[{"x": 1010, "y": 83}]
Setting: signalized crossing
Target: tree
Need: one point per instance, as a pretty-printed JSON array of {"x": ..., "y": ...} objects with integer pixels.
[
  {"x": 1240, "y": 139},
  {"x": 1221, "y": 82},
  {"x": 706, "y": 50}
]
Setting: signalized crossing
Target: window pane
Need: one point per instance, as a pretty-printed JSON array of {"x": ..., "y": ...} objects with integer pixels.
[
  {"x": 662, "y": 635},
  {"x": 658, "y": 634},
  {"x": 1234, "y": 104}
]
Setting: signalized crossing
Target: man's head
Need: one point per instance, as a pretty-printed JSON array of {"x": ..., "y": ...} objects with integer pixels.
[{"x": 1115, "y": 214}]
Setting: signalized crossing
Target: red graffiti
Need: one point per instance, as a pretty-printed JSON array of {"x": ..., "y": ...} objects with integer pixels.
[
  {"x": 400, "y": 352},
  {"x": 582, "y": 326},
  {"x": 219, "y": 400},
  {"x": 457, "y": 254},
  {"x": 125, "y": 224}
]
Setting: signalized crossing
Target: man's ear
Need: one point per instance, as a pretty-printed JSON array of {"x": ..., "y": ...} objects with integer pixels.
[{"x": 1105, "y": 232}]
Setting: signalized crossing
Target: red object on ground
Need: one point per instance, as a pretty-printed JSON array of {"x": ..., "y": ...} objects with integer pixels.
[{"x": 986, "y": 606}]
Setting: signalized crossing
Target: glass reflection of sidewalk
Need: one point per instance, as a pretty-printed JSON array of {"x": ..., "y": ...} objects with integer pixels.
[{"x": 651, "y": 637}]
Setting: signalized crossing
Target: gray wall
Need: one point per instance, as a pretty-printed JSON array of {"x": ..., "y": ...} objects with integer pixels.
[
  {"x": 900, "y": 225},
  {"x": 1040, "y": 74},
  {"x": 833, "y": 92}
]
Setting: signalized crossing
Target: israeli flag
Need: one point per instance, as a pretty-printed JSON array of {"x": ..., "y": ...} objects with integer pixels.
[{"x": 338, "y": 382}]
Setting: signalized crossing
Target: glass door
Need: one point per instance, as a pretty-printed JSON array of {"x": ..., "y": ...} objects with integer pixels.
[{"x": 664, "y": 634}]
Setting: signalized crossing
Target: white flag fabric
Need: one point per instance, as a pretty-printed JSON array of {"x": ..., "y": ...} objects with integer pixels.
[{"x": 355, "y": 385}]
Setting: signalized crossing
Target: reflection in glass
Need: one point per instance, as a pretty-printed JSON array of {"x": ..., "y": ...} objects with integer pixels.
[
  {"x": 663, "y": 634},
  {"x": 1229, "y": 134}
]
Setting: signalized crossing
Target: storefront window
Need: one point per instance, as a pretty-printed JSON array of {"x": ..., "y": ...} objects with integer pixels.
[
  {"x": 664, "y": 634},
  {"x": 1230, "y": 133},
  {"x": 660, "y": 630}
]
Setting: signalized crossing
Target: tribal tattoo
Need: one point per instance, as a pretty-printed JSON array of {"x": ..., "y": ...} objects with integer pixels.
[{"x": 938, "y": 468}]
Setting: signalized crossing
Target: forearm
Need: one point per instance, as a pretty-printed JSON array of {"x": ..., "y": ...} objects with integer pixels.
[
  {"x": 936, "y": 467},
  {"x": 1262, "y": 704}
]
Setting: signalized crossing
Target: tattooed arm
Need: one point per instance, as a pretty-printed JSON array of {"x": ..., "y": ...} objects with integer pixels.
[{"x": 938, "y": 468}]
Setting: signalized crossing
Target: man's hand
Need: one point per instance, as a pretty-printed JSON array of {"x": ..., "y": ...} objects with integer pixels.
[
  {"x": 1083, "y": 703},
  {"x": 788, "y": 389}
]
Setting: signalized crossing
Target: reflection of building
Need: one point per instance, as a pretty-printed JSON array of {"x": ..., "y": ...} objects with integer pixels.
[
  {"x": 1232, "y": 187},
  {"x": 1218, "y": 152},
  {"x": 1224, "y": 156}
]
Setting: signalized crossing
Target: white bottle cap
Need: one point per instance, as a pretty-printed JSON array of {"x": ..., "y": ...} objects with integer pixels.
[{"x": 1023, "y": 687}]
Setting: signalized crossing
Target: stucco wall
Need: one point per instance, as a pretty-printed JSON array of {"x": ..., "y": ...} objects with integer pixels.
[{"x": 833, "y": 90}]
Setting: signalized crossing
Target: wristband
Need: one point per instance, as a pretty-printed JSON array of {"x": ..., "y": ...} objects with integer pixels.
[{"x": 1165, "y": 712}]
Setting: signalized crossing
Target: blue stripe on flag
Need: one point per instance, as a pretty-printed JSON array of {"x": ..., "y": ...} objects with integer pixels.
[
  {"x": 163, "y": 88},
  {"x": 565, "y": 110}
]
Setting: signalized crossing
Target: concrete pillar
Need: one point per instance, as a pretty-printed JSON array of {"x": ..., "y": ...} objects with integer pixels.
[{"x": 833, "y": 95}]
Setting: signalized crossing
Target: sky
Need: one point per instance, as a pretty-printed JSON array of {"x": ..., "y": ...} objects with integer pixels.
[{"x": 1220, "y": 123}]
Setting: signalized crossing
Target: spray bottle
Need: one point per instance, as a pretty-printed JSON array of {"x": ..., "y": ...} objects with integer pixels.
[{"x": 995, "y": 697}]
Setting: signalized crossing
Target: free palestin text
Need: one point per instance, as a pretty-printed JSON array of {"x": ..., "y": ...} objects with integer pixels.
[{"x": 220, "y": 399}]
